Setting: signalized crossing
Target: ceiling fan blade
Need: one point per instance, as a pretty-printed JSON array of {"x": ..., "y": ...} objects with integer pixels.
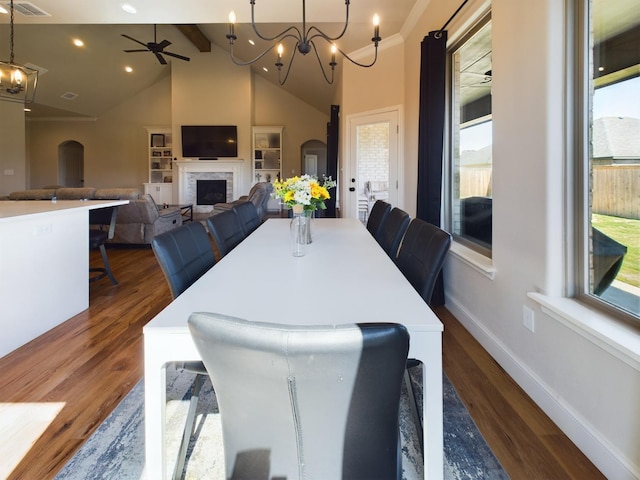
[
  {"x": 133, "y": 39},
  {"x": 163, "y": 44},
  {"x": 132, "y": 51},
  {"x": 161, "y": 59},
  {"x": 181, "y": 57}
]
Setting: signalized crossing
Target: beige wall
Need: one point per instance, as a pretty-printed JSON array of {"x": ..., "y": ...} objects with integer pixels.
[
  {"x": 12, "y": 148},
  {"x": 115, "y": 144},
  {"x": 273, "y": 106}
]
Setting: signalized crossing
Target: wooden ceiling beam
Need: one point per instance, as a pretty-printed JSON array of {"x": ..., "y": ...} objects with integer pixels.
[{"x": 195, "y": 36}]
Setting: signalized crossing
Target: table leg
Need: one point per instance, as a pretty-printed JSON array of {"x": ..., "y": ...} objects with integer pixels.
[
  {"x": 429, "y": 346},
  {"x": 155, "y": 393}
]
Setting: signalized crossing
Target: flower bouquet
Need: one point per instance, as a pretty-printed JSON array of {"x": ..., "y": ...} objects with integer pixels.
[
  {"x": 304, "y": 195},
  {"x": 307, "y": 191}
]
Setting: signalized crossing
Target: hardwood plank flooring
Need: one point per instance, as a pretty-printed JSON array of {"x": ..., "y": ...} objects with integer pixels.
[{"x": 92, "y": 361}]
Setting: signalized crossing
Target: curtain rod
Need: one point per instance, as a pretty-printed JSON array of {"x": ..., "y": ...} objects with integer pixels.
[{"x": 453, "y": 16}]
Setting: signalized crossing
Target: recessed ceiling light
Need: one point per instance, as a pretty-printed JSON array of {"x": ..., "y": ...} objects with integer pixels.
[
  {"x": 265, "y": 69},
  {"x": 77, "y": 42},
  {"x": 252, "y": 42},
  {"x": 27, "y": 109},
  {"x": 3, "y": 10},
  {"x": 128, "y": 69},
  {"x": 129, "y": 8}
]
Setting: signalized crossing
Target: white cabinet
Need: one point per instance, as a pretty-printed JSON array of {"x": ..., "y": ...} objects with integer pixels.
[
  {"x": 160, "y": 164},
  {"x": 161, "y": 192},
  {"x": 267, "y": 158}
]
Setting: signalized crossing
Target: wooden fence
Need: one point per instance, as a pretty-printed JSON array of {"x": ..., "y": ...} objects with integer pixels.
[{"x": 616, "y": 188}]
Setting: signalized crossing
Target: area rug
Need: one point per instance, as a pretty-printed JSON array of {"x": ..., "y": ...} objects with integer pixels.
[{"x": 116, "y": 450}]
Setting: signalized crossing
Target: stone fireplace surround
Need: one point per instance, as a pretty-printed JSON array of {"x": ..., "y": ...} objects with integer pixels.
[{"x": 189, "y": 171}]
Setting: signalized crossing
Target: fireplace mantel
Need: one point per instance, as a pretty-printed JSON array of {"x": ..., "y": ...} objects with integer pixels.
[{"x": 189, "y": 168}]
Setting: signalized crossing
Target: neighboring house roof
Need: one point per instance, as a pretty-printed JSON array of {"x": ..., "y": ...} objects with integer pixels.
[{"x": 616, "y": 138}]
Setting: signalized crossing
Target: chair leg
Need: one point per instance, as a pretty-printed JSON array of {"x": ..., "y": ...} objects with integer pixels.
[
  {"x": 188, "y": 427},
  {"x": 417, "y": 418},
  {"x": 107, "y": 266}
]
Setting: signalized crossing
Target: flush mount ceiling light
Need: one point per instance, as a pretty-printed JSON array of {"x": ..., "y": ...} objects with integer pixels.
[
  {"x": 303, "y": 42},
  {"x": 17, "y": 82}
]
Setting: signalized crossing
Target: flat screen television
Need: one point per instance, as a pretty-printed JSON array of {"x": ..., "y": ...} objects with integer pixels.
[{"x": 209, "y": 141}]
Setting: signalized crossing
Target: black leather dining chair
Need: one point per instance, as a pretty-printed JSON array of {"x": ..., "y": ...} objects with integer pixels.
[
  {"x": 378, "y": 213},
  {"x": 184, "y": 255},
  {"x": 420, "y": 258},
  {"x": 298, "y": 402},
  {"x": 248, "y": 215},
  {"x": 102, "y": 223},
  {"x": 226, "y": 230},
  {"x": 392, "y": 230}
]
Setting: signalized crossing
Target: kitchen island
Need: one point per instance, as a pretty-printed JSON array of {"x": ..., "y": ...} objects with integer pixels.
[{"x": 44, "y": 265}]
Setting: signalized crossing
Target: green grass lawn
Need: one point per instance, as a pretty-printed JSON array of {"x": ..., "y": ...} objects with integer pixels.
[{"x": 626, "y": 232}]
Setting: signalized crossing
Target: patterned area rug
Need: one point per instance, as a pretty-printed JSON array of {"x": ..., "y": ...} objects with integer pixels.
[{"x": 116, "y": 449}]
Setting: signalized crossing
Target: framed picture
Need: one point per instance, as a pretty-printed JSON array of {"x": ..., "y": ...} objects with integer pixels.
[
  {"x": 168, "y": 179},
  {"x": 157, "y": 140},
  {"x": 156, "y": 153},
  {"x": 155, "y": 165},
  {"x": 166, "y": 153}
]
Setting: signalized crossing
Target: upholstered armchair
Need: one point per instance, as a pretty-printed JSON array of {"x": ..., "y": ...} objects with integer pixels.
[
  {"x": 258, "y": 195},
  {"x": 141, "y": 220}
]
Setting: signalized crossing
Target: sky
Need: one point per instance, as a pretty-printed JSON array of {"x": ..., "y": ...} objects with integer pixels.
[{"x": 618, "y": 100}]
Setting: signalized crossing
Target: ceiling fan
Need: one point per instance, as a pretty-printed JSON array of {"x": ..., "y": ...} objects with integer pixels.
[{"x": 156, "y": 48}]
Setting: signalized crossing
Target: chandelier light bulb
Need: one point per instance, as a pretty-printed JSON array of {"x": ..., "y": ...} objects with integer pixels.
[{"x": 232, "y": 17}]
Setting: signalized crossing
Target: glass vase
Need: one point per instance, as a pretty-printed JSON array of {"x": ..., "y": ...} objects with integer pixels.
[
  {"x": 309, "y": 214},
  {"x": 299, "y": 231}
]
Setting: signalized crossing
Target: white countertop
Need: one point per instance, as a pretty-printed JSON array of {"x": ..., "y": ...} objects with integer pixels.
[{"x": 9, "y": 209}]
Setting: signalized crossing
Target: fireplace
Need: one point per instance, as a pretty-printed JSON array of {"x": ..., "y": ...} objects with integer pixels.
[
  {"x": 210, "y": 192},
  {"x": 189, "y": 172}
]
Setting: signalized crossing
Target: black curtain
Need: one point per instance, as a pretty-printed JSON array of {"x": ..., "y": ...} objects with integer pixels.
[
  {"x": 433, "y": 59},
  {"x": 333, "y": 129}
]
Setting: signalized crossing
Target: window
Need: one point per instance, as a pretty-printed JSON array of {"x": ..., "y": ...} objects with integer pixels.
[
  {"x": 608, "y": 50},
  {"x": 470, "y": 218}
]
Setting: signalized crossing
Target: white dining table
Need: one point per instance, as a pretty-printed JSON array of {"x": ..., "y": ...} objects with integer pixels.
[{"x": 345, "y": 277}]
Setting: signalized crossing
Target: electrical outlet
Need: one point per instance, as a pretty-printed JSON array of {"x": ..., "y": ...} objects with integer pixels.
[{"x": 528, "y": 319}]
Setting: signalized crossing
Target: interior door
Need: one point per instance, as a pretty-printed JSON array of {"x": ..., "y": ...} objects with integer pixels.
[
  {"x": 373, "y": 161},
  {"x": 71, "y": 164}
]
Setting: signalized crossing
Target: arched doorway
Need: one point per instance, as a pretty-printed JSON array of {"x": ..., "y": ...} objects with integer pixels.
[
  {"x": 71, "y": 164},
  {"x": 314, "y": 158}
]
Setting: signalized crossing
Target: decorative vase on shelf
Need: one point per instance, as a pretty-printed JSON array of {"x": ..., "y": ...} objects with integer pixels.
[{"x": 299, "y": 231}]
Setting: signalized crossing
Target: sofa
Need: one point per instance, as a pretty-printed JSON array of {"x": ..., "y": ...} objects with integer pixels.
[
  {"x": 137, "y": 222},
  {"x": 259, "y": 195}
]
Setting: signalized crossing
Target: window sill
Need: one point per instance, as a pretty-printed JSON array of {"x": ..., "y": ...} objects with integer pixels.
[
  {"x": 475, "y": 260},
  {"x": 616, "y": 337}
]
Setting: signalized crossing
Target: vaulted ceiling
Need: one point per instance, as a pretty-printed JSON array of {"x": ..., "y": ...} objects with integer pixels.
[{"x": 89, "y": 80}]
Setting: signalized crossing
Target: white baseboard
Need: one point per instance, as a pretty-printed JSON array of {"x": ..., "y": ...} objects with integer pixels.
[{"x": 597, "y": 448}]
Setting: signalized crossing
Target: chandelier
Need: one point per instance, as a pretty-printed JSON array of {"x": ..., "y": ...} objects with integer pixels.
[
  {"x": 304, "y": 43},
  {"x": 17, "y": 82}
]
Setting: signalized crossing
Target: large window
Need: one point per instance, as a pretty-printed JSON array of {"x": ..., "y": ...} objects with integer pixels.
[
  {"x": 609, "y": 153},
  {"x": 471, "y": 140}
]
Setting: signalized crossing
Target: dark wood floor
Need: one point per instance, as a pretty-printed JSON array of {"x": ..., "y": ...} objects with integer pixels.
[{"x": 92, "y": 361}]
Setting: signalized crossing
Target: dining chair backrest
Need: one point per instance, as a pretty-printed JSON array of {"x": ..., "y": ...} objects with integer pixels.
[
  {"x": 184, "y": 255},
  {"x": 248, "y": 215},
  {"x": 392, "y": 231},
  {"x": 226, "y": 230},
  {"x": 378, "y": 213},
  {"x": 422, "y": 254},
  {"x": 305, "y": 401}
]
